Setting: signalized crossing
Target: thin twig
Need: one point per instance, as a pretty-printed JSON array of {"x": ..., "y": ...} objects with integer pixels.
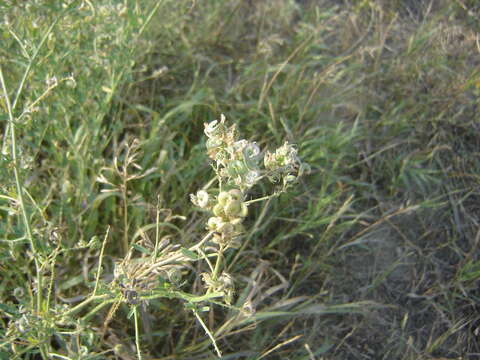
[
  {"x": 208, "y": 332},
  {"x": 137, "y": 333},
  {"x": 99, "y": 270}
]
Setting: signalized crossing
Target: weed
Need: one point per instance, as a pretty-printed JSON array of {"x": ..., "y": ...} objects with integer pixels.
[{"x": 103, "y": 253}]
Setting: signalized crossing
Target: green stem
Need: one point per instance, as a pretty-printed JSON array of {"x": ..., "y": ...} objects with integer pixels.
[
  {"x": 218, "y": 263},
  {"x": 125, "y": 217},
  {"x": 99, "y": 270},
  {"x": 87, "y": 301},
  {"x": 97, "y": 308},
  {"x": 137, "y": 333},
  {"x": 19, "y": 186},
  {"x": 209, "y": 333},
  {"x": 25, "y": 75},
  {"x": 260, "y": 199},
  {"x": 157, "y": 230},
  {"x": 52, "y": 278}
]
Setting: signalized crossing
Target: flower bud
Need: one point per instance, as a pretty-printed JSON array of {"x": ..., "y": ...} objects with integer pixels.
[
  {"x": 251, "y": 151},
  {"x": 174, "y": 275},
  {"x": 223, "y": 197},
  {"x": 202, "y": 197},
  {"x": 290, "y": 179},
  {"x": 304, "y": 169},
  {"x": 238, "y": 228},
  {"x": 19, "y": 293},
  {"x": 243, "y": 210},
  {"x": 233, "y": 208},
  {"x": 214, "y": 223},
  {"x": 251, "y": 178},
  {"x": 226, "y": 229},
  {"x": 269, "y": 161},
  {"x": 215, "y": 128},
  {"x": 236, "y": 168},
  {"x": 236, "y": 194},
  {"x": 218, "y": 210}
]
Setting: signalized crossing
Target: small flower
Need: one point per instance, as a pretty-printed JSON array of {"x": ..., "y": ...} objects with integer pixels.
[
  {"x": 219, "y": 210},
  {"x": 214, "y": 223},
  {"x": 213, "y": 143},
  {"x": 211, "y": 128},
  {"x": 251, "y": 178},
  {"x": 236, "y": 194},
  {"x": 215, "y": 128},
  {"x": 232, "y": 208},
  {"x": 51, "y": 81},
  {"x": 284, "y": 158},
  {"x": 223, "y": 198},
  {"x": 200, "y": 199},
  {"x": 223, "y": 284},
  {"x": 226, "y": 229},
  {"x": 251, "y": 152}
]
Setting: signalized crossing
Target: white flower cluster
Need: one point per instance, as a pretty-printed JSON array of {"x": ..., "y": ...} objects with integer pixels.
[
  {"x": 223, "y": 284},
  {"x": 229, "y": 210},
  {"x": 284, "y": 164},
  {"x": 237, "y": 160},
  {"x": 238, "y": 168},
  {"x": 237, "y": 165}
]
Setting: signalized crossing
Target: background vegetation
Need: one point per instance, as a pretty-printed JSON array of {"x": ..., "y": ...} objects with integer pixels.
[{"x": 374, "y": 256}]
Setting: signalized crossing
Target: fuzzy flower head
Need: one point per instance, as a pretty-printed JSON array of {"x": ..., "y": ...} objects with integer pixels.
[
  {"x": 215, "y": 128},
  {"x": 283, "y": 159},
  {"x": 201, "y": 199},
  {"x": 237, "y": 160},
  {"x": 223, "y": 284},
  {"x": 284, "y": 164},
  {"x": 220, "y": 139}
]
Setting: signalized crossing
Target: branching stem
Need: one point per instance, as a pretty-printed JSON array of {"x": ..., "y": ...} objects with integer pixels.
[{"x": 26, "y": 221}]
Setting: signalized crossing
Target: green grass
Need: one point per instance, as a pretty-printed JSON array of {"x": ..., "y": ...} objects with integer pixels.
[{"x": 374, "y": 254}]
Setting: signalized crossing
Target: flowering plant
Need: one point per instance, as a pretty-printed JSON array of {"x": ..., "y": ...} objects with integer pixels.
[{"x": 237, "y": 164}]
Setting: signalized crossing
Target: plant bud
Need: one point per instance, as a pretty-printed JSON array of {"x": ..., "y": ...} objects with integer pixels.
[
  {"x": 214, "y": 223},
  {"x": 218, "y": 210},
  {"x": 174, "y": 275},
  {"x": 202, "y": 198},
  {"x": 290, "y": 179},
  {"x": 236, "y": 194},
  {"x": 236, "y": 168},
  {"x": 233, "y": 208},
  {"x": 19, "y": 293},
  {"x": 226, "y": 228},
  {"x": 243, "y": 210},
  {"x": 223, "y": 198},
  {"x": 269, "y": 161},
  {"x": 238, "y": 228}
]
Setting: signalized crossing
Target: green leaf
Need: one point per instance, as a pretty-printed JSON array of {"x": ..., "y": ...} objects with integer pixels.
[
  {"x": 190, "y": 254},
  {"x": 141, "y": 249}
]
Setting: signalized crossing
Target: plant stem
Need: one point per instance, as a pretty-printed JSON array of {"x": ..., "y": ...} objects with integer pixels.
[
  {"x": 26, "y": 221},
  {"x": 210, "y": 335},
  {"x": 84, "y": 303},
  {"x": 100, "y": 262},
  {"x": 125, "y": 217},
  {"x": 157, "y": 230},
  {"x": 218, "y": 263},
  {"x": 260, "y": 199},
  {"x": 11, "y": 108},
  {"x": 137, "y": 333}
]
